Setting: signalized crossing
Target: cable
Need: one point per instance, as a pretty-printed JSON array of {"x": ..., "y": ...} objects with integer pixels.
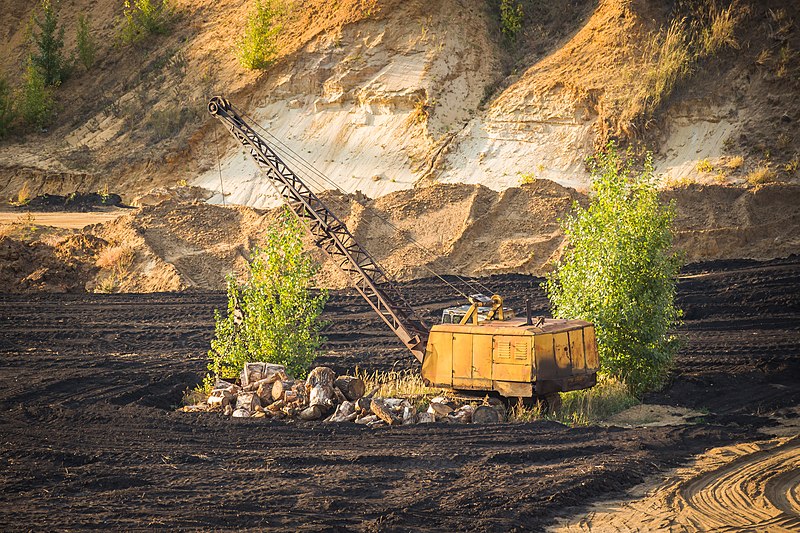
[
  {"x": 299, "y": 161},
  {"x": 219, "y": 166}
]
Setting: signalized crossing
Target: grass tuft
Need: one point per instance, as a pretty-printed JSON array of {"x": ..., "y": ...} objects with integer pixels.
[{"x": 761, "y": 175}]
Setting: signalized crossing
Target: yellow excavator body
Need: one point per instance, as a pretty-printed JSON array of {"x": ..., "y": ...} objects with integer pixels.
[{"x": 513, "y": 357}]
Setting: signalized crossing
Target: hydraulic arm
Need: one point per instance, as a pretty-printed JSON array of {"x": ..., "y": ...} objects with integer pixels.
[{"x": 329, "y": 233}]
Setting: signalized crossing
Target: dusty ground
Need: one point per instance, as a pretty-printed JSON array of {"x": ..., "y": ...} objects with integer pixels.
[
  {"x": 90, "y": 437},
  {"x": 465, "y": 229}
]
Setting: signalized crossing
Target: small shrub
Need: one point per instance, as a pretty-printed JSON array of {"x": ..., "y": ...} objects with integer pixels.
[
  {"x": 117, "y": 259},
  {"x": 704, "y": 165},
  {"x": 792, "y": 166},
  {"x": 7, "y": 111},
  {"x": 273, "y": 316},
  {"x": 511, "y": 18},
  {"x": 619, "y": 271},
  {"x": 168, "y": 122},
  {"x": 422, "y": 110},
  {"x": 87, "y": 47},
  {"x": 36, "y": 104},
  {"x": 760, "y": 176},
  {"x": 47, "y": 56},
  {"x": 143, "y": 18},
  {"x": 24, "y": 194},
  {"x": 527, "y": 178},
  {"x": 259, "y": 45},
  {"x": 735, "y": 162}
]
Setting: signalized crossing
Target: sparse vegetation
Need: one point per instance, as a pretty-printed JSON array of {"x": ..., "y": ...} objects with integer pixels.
[
  {"x": 422, "y": 110},
  {"x": 704, "y": 165},
  {"x": 47, "y": 56},
  {"x": 36, "y": 103},
  {"x": 720, "y": 33},
  {"x": 619, "y": 271},
  {"x": 24, "y": 194},
  {"x": 259, "y": 45},
  {"x": 792, "y": 166},
  {"x": 273, "y": 316},
  {"x": 7, "y": 111},
  {"x": 735, "y": 162},
  {"x": 165, "y": 123},
  {"x": 582, "y": 407},
  {"x": 143, "y": 18},
  {"x": 761, "y": 175},
  {"x": 511, "y": 18},
  {"x": 117, "y": 259},
  {"x": 87, "y": 48},
  {"x": 673, "y": 55},
  {"x": 527, "y": 178}
]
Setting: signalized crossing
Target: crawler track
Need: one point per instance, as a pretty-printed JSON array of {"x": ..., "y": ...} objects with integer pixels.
[{"x": 89, "y": 437}]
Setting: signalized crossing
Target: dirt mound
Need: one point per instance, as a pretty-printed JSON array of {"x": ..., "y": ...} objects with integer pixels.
[
  {"x": 749, "y": 486},
  {"x": 467, "y": 230},
  {"x": 64, "y": 266}
]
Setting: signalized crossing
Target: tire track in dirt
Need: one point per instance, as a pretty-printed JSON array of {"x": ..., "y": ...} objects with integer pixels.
[{"x": 746, "y": 487}]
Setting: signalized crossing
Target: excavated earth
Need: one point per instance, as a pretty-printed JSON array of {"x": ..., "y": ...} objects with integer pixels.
[{"x": 90, "y": 436}]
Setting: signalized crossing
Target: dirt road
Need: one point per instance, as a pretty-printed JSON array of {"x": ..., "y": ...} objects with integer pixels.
[
  {"x": 89, "y": 436},
  {"x": 745, "y": 487},
  {"x": 60, "y": 219}
]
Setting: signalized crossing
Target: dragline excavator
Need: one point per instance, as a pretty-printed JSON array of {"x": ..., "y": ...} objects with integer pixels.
[{"x": 480, "y": 347}]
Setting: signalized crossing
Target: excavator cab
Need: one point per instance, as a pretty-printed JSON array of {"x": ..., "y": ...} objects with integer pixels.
[{"x": 480, "y": 309}]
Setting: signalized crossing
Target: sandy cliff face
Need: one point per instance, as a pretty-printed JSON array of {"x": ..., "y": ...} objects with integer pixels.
[{"x": 385, "y": 95}]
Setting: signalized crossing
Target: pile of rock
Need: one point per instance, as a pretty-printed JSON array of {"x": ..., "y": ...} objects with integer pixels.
[{"x": 267, "y": 391}]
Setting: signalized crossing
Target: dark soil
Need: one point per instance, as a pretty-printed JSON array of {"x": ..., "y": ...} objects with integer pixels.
[
  {"x": 78, "y": 201},
  {"x": 90, "y": 437}
]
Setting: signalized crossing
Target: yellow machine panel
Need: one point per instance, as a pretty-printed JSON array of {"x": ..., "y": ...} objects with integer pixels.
[
  {"x": 512, "y": 356},
  {"x": 462, "y": 360}
]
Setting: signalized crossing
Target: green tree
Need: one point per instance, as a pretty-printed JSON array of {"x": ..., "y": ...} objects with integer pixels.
[
  {"x": 272, "y": 316},
  {"x": 511, "y": 17},
  {"x": 259, "y": 44},
  {"x": 87, "y": 47},
  {"x": 48, "y": 40},
  {"x": 36, "y": 103},
  {"x": 142, "y": 18},
  {"x": 619, "y": 271},
  {"x": 7, "y": 111}
]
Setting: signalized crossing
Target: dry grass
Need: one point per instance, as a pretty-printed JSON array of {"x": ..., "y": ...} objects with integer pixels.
[
  {"x": 735, "y": 162},
  {"x": 399, "y": 384},
  {"x": 117, "y": 259},
  {"x": 704, "y": 165},
  {"x": 761, "y": 175},
  {"x": 583, "y": 407},
  {"x": 792, "y": 166},
  {"x": 721, "y": 30},
  {"x": 24, "y": 194}
]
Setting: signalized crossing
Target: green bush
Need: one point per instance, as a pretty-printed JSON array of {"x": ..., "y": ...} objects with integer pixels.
[
  {"x": 142, "y": 18},
  {"x": 259, "y": 44},
  {"x": 273, "y": 316},
  {"x": 7, "y": 111},
  {"x": 86, "y": 45},
  {"x": 48, "y": 42},
  {"x": 619, "y": 271},
  {"x": 36, "y": 103},
  {"x": 511, "y": 17}
]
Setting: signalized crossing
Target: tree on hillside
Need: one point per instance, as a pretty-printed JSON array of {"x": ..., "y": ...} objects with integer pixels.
[
  {"x": 272, "y": 316},
  {"x": 36, "y": 103},
  {"x": 85, "y": 42},
  {"x": 48, "y": 41},
  {"x": 619, "y": 271},
  {"x": 7, "y": 112},
  {"x": 259, "y": 43}
]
